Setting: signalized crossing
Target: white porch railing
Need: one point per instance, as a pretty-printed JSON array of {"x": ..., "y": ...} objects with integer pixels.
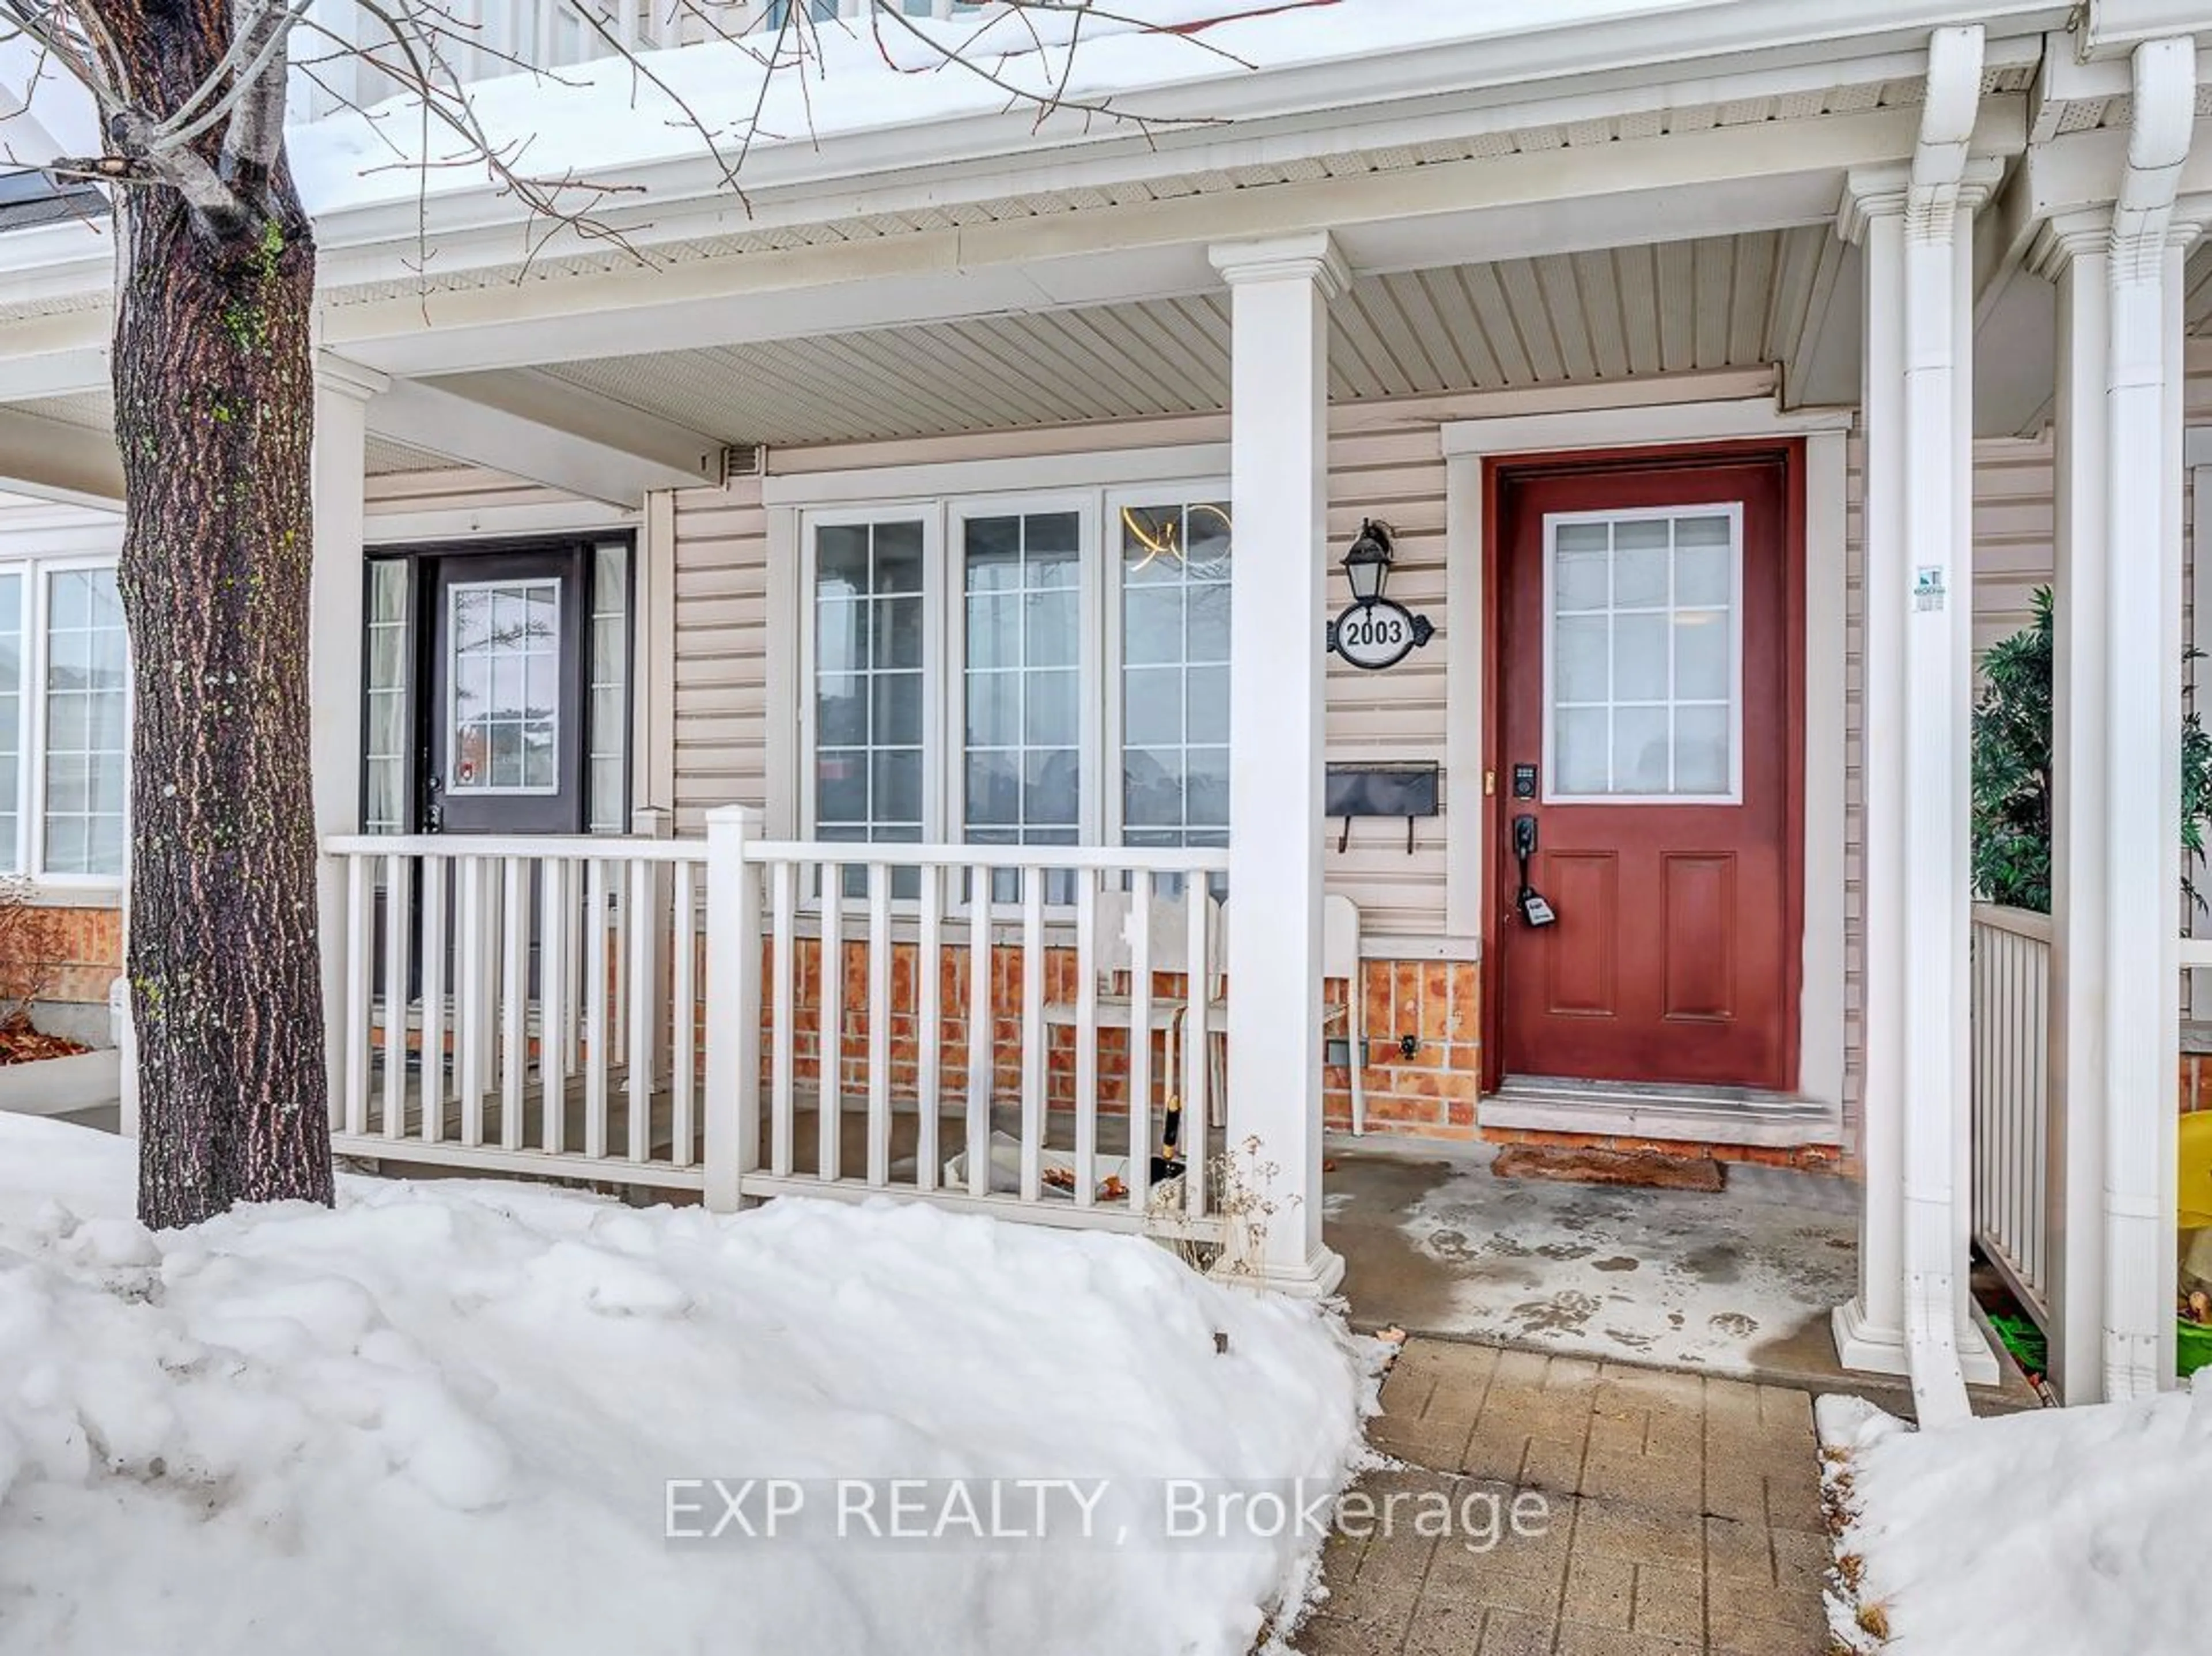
[
  {"x": 2012, "y": 1097},
  {"x": 687, "y": 1014}
]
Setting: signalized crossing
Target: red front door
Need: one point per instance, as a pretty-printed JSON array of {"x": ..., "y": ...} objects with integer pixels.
[{"x": 1647, "y": 677}]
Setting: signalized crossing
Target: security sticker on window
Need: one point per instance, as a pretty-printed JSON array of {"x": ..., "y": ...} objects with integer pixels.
[{"x": 1928, "y": 588}]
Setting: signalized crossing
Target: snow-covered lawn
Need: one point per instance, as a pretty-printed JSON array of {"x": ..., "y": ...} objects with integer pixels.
[
  {"x": 444, "y": 1417},
  {"x": 2080, "y": 1531}
]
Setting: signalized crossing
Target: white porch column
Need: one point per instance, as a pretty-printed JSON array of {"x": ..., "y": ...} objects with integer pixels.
[
  {"x": 1278, "y": 413},
  {"x": 2141, "y": 736},
  {"x": 1869, "y": 1330},
  {"x": 334, "y": 651},
  {"x": 2075, "y": 251},
  {"x": 1919, "y": 677}
]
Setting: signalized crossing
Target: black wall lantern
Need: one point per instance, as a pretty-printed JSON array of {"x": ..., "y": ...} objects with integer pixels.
[
  {"x": 1373, "y": 632},
  {"x": 1367, "y": 564}
]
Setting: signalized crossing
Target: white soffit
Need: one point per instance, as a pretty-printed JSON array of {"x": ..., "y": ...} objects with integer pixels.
[{"x": 1718, "y": 302}]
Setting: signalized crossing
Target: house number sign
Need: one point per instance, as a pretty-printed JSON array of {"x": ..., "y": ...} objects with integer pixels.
[{"x": 1378, "y": 634}]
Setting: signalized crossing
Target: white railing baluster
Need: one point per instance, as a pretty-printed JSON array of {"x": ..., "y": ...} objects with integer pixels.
[
  {"x": 1086, "y": 1039},
  {"x": 783, "y": 1105},
  {"x": 555, "y": 900},
  {"x": 829, "y": 1136},
  {"x": 515, "y": 1000},
  {"x": 982, "y": 1033},
  {"x": 596, "y": 1059},
  {"x": 683, "y": 1078},
  {"x": 2011, "y": 1096},
  {"x": 642, "y": 911},
  {"x": 928, "y": 1028},
  {"x": 1198, "y": 954},
  {"x": 360, "y": 1001},
  {"x": 1033, "y": 1036},
  {"x": 398, "y": 922},
  {"x": 1141, "y": 1040},
  {"x": 879, "y": 1024},
  {"x": 544, "y": 963},
  {"x": 471, "y": 972},
  {"x": 437, "y": 871}
]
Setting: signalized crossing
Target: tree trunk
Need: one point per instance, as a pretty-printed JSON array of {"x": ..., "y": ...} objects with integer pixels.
[{"x": 215, "y": 418}]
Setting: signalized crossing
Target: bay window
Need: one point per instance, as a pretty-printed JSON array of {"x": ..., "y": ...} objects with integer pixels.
[
  {"x": 1045, "y": 669},
  {"x": 65, "y": 730}
]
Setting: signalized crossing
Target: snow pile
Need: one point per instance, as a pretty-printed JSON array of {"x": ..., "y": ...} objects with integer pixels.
[
  {"x": 2075, "y": 1529},
  {"x": 444, "y": 1417},
  {"x": 755, "y": 95}
]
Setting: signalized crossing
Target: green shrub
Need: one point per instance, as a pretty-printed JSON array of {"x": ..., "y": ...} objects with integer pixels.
[{"x": 2012, "y": 773}]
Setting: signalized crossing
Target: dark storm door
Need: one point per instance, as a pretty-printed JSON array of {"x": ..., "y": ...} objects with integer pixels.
[
  {"x": 1646, "y": 672},
  {"x": 505, "y": 693}
]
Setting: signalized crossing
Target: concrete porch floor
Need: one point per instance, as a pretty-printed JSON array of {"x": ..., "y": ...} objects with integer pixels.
[{"x": 1740, "y": 1282}]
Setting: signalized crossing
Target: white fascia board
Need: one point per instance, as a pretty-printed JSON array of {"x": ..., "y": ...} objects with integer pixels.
[
  {"x": 2115, "y": 28},
  {"x": 1392, "y": 100},
  {"x": 1434, "y": 214},
  {"x": 56, "y": 461},
  {"x": 544, "y": 401},
  {"x": 442, "y": 423},
  {"x": 69, "y": 372},
  {"x": 2083, "y": 169}
]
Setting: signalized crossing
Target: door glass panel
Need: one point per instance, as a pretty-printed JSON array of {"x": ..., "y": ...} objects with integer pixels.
[
  {"x": 1642, "y": 642},
  {"x": 503, "y": 713}
]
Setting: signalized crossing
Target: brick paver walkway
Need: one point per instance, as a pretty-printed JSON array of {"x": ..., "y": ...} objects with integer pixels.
[{"x": 1684, "y": 1515}]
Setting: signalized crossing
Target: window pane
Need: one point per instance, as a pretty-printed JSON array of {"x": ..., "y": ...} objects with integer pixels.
[
  {"x": 1642, "y": 637},
  {"x": 503, "y": 655},
  {"x": 606, "y": 769},
  {"x": 1174, "y": 677},
  {"x": 87, "y": 670},
  {"x": 1022, "y": 778},
  {"x": 869, "y": 690}
]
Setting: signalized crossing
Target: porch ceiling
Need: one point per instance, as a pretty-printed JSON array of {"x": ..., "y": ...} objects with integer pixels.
[{"x": 1721, "y": 301}]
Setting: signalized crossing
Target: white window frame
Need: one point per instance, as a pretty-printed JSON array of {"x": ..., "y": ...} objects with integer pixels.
[
  {"x": 453, "y": 591},
  {"x": 1733, "y": 510},
  {"x": 29, "y": 852},
  {"x": 944, "y": 514},
  {"x": 930, "y": 516}
]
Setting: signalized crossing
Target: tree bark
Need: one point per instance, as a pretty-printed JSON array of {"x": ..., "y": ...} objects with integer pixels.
[{"x": 215, "y": 415}]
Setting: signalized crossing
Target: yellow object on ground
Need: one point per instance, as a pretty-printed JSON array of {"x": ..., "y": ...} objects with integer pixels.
[{"x": 2196, "y": 1164}]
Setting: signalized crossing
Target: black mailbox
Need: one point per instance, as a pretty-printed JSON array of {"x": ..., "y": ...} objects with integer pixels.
[{"x": 1408, "y": 788}]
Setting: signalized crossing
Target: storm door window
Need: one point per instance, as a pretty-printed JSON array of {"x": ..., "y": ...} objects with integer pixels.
[{"x": 504, "y": 711}]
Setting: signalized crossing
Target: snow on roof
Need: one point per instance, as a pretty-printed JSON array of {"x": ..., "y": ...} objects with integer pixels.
[{"x": 604, "y": 118}]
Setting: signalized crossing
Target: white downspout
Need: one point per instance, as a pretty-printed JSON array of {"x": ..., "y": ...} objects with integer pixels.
[
  {"x": 1938, "y": 536},
  {"x": 2142, "y": 539}
]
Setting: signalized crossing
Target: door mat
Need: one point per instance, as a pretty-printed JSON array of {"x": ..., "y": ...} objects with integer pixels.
[{"x": 1590, "y": 1165}]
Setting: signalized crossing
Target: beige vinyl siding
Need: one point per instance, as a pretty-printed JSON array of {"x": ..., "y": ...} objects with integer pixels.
[
  {"x": 462, "y": 488},
  {"x": 721, "y": 651}
]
